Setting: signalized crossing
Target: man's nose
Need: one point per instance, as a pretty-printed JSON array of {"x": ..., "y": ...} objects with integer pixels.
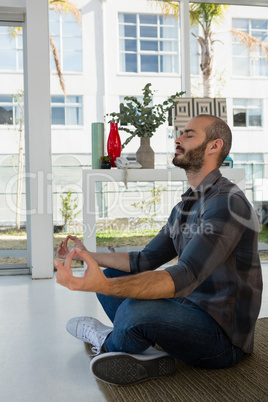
[{"x": 178, "y": 141}]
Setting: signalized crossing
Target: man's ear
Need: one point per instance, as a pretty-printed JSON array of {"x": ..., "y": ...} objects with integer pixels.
[{"x": 215, "y": 146}]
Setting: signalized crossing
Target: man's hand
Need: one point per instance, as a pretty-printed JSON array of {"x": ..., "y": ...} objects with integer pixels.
[
  {"x": 93, "y": 280},
  {"x": 147, "y": 285},
  {"x": 63, "y": 249}
]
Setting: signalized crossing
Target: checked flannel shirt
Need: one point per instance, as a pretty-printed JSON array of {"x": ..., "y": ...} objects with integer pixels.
[{"x": 214, "y": 233}]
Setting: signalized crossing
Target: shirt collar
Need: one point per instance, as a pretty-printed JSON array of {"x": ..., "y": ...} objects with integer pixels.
[{"x": 204, "y": 186}]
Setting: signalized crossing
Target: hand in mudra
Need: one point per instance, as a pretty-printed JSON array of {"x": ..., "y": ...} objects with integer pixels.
[
  {"x": 63, "y": 249},
  {"x": 93, "y": 280}
]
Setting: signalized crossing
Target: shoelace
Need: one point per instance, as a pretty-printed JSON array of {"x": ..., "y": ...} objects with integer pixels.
[{"x": 89, "y": 334}]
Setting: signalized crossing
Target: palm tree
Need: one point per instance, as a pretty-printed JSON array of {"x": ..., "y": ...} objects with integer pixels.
[
  {"x": 204, "y": 15},
  {"x": 251, "y": 42},
  {"x": 168, "y": 7},
  {"x": 59, "y": 6}
]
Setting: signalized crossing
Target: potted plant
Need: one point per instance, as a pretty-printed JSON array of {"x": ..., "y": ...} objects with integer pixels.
[
  {"x": 144, "y": 118},
  {"x": 105, "y": 162}
]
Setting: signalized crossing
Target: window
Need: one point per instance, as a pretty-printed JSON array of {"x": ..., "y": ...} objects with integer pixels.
[
  {"x": 247, "y": 112},
  {"x": 252, "y": 63},
  {"x": 67, "y": 37},
  {"x": 148, "y": 43},
  {"x": 252, "y": 163},
  {"x": 66, "y": 111},
  {"x": 11, "y": 54},
  {"x": 9, "y": 111}
]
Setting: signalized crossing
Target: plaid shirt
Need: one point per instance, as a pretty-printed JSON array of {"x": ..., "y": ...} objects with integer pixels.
[{"x": 214, "y": 233}]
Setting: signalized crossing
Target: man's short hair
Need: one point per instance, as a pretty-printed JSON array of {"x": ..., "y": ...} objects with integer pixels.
[{"x": 218, "y": 129}]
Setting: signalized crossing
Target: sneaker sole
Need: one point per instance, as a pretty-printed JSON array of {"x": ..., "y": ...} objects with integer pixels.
[{"x": 124, "y": 369}]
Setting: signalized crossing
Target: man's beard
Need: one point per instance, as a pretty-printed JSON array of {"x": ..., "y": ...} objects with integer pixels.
[{"x": 193, "y": 160}]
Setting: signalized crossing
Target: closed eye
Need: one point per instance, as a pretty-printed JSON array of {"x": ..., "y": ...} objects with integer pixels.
[{"x": 189, "y": 133}]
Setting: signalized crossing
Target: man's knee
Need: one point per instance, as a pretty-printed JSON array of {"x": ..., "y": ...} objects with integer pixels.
[
  {"x": 133, "y": 312},
  {"x": 108, "y": 272},
  {"x": 114, "y": 273}
]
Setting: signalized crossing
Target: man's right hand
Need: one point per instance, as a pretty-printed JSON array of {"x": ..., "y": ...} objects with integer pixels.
[{"x": 63, "y": 249}]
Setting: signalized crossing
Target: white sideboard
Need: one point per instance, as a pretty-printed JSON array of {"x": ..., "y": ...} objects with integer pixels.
[{"x": 115, "y": 176}]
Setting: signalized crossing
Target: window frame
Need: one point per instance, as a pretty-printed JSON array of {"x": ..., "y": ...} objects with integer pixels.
[
  {"x": 18, "y": 49},
  {"x": 67, "y": 105},
  {"x": 247, "y": 161},
  {"x": 60, "y": 38},
  {"x": 257, "y": 56},
  {"x": 247, "y": 108},
  {"x": 175, "y": 54},
  {"x": 15, "y": 111}
]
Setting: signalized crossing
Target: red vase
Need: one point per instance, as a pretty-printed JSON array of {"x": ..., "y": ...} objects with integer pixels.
[{"x": 114, "y": 143}]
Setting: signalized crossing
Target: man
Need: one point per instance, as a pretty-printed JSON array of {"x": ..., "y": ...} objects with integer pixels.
[{"x": 201, "y": 310}]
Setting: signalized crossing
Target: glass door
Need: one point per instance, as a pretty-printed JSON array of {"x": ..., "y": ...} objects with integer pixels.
[{"x": 13, "y": 231}]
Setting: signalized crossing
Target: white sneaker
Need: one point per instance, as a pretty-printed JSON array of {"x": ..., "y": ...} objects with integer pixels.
[
  {"x": 125, "y": 369},
  {"x": 89, "y": 330}
]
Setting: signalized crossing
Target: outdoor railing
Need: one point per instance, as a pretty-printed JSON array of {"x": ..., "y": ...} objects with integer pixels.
[{"x": 67, "y": 178}]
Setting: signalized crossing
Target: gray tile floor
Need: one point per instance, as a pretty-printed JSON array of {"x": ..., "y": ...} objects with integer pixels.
[{"x": 39, "y": 360}]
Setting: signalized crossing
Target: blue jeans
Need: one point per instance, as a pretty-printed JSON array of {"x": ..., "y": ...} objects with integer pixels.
[{"x": 178, "y": 326}]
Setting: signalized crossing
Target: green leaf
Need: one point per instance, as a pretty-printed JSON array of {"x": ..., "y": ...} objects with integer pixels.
[{"x": 144, "y": 118}]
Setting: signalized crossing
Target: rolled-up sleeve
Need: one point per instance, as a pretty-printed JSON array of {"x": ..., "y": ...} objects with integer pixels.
[
  {"x": 212, "y": 244},
  {"x": 202, "y": 256},
  {"x": 159, "y": 251}
]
